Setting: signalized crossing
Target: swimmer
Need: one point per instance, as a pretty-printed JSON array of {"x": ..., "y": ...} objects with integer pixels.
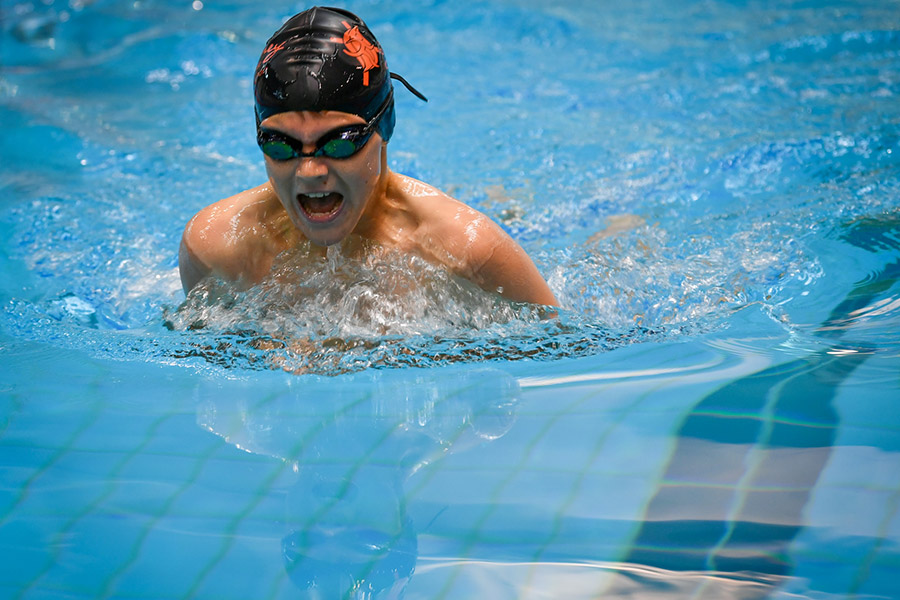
[{"x": 324, "y": 116}]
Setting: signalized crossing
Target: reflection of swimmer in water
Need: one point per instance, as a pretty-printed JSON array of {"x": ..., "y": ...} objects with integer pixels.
[
  {"x": 325, "y": 112},
  {"x": 347, "y": 449}
]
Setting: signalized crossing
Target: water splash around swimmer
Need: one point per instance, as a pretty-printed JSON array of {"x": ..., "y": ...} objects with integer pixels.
[{"x": 337, "y": 313}]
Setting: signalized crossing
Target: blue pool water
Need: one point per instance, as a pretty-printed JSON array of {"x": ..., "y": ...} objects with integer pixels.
[{"x": 711, "y": 188}]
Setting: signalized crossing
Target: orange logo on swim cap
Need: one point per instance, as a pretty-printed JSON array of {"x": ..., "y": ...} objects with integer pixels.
[
  {"x": 270, "y": 51},
  {"x": 357, "y": 46}
]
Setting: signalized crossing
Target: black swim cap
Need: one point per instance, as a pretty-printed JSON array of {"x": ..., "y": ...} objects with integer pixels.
[{"x": 325, "y": 59}]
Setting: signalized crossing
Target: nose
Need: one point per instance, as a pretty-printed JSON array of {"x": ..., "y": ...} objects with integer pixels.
[{"x": 312, "y": 168}]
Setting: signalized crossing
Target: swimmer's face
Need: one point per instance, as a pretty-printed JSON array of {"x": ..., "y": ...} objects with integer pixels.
[{"x": 325, "y": 198}]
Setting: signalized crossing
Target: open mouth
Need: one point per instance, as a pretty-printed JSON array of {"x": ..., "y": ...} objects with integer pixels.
[{"x": 320, "y": 206}]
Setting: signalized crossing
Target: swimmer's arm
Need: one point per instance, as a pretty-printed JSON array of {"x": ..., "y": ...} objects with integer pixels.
[
  {"x": 509, "y": 270},
  {"x": 224, "y": 240},
  {"x": 190, "y": 267}
]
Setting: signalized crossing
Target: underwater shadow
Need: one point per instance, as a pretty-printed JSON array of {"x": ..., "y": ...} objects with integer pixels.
[{"x": 347, "y": 447}]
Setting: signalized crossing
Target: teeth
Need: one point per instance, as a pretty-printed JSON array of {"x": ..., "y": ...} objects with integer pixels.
[{"x": 318, "y": 194}]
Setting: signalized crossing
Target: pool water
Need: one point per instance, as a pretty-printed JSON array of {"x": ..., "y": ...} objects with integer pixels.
[{"x": 712, "y": 190}]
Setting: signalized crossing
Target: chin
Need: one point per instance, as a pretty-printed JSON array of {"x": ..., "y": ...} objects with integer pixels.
[{"x": 325, "y": 239}]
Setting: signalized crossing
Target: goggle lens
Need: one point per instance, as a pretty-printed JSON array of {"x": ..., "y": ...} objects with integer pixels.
[
  {"x": 278, "y": 149},
  {"x": 340, "y": 148}
]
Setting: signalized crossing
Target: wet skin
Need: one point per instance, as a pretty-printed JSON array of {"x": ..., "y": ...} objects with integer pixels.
[{"x": 354, "y": 201}]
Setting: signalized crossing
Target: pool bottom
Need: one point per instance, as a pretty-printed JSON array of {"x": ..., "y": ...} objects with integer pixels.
[{"x": 512, "y": 480}]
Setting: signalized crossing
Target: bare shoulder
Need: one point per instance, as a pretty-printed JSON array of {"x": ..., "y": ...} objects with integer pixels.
[
  {"x": 475, "y": 247},
  {"x": 234, "y": 238},
  {"x": 443, "y": 217}
]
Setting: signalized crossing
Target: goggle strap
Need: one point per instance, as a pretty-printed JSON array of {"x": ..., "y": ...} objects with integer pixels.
[{"x": 416, "y": 92}]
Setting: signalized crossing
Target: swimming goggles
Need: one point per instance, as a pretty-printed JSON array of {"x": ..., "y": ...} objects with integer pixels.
[{"x": 343, "y": 142}]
